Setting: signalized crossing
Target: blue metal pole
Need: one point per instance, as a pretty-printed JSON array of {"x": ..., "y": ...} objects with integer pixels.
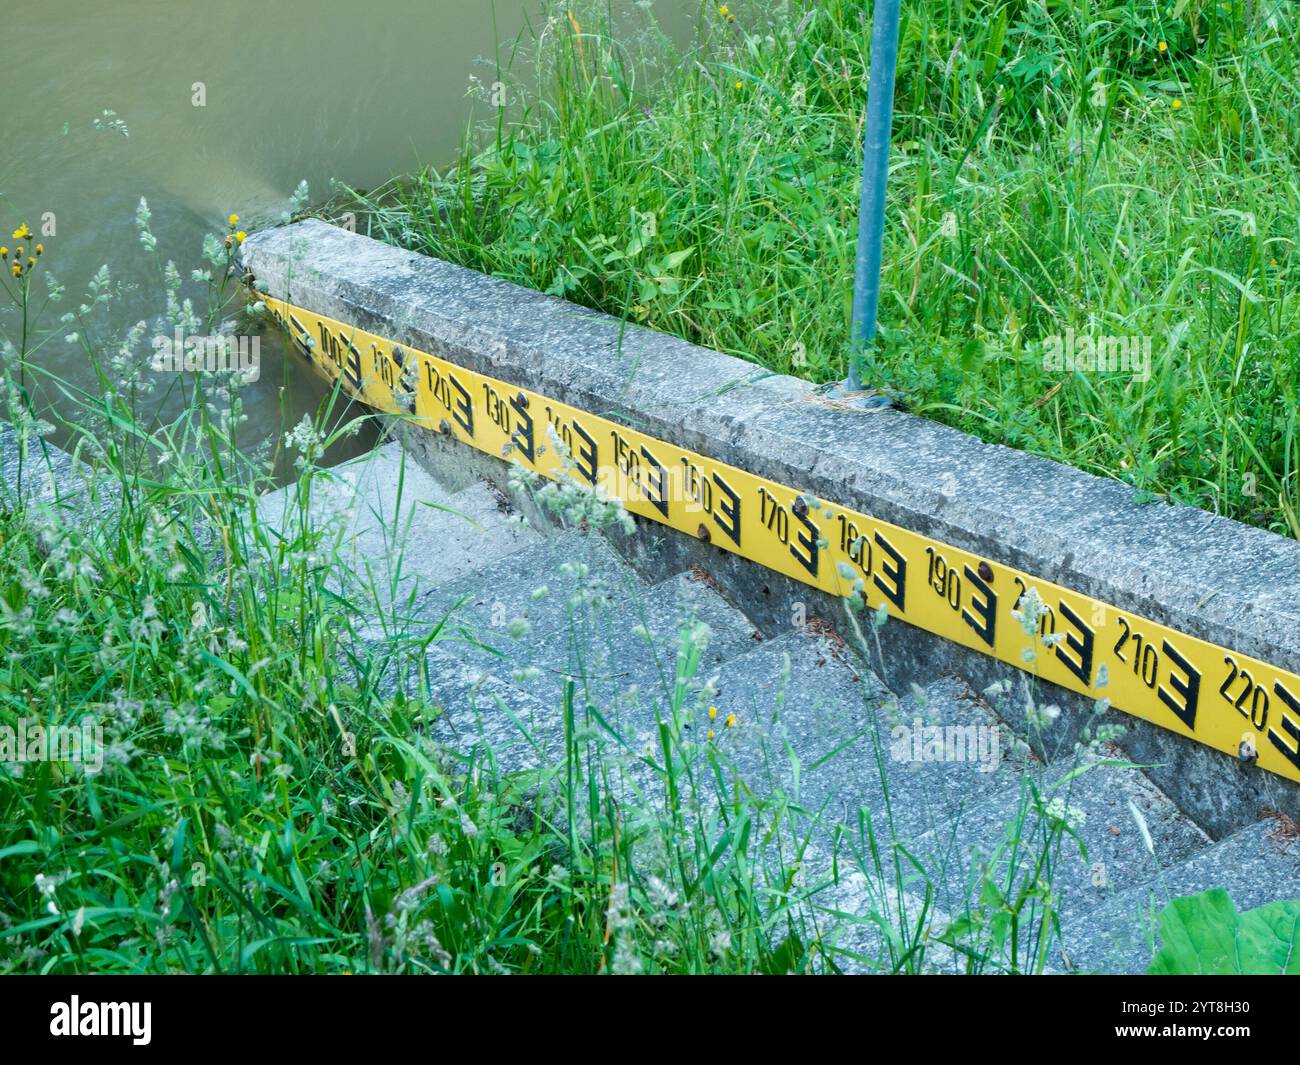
[{"x": 875, "y": 175}]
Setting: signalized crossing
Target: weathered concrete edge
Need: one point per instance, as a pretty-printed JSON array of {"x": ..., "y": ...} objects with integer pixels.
[{"x": 1048, "y": 519}]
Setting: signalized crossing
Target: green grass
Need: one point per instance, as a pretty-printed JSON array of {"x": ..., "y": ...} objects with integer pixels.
[{"x": 1123, "y": 169}]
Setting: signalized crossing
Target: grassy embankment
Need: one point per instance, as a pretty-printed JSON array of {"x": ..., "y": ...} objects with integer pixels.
[
  {"x": 1070, "y": 169},
  {"x": 262, "y": 806}
]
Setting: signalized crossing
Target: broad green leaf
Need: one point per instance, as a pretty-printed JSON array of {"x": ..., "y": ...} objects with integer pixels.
[
  {"x": 1198, "y": 935},
  {"x": 1204, "y": 934},
  {"x": 1269, "y": 940}
]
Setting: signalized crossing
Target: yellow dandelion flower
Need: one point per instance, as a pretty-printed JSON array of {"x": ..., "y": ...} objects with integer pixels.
[
  {"x": 739, "y": 85},
  {"x": 4, "y": 253},
  {"x": 731, "y": 720},
  {"x": 724, "y": 10},
  {"x": 17, "y": 270},
  {"x": 710, "y": 733},
  {"x": 22, "y": 232},
  {"x": 1177, "y": 105},
  {"x": 40, "y": 249},
  {"x": 19, "y": 252},
  {"x": 234, "y": 220},
  {"x": 241, "y": 236},
  {"x": 713, "y": 713},
  {"x": 1163, "y": 46}
]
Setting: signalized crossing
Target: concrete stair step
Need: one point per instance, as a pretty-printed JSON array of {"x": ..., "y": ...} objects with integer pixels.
[
  {"x": 946, "y": 808},
  {"x": 38, "y": 473},
  {"x": 820, "y": 726},
  {"x": 1096, "y": 802},
  {"x": 1256, "y": 865},
  {"x": 399, "y": 531},
  {"x": 487, "y": 718},
  {"x": 570, "y": 608},
  {"x": 870, "y": 765}
]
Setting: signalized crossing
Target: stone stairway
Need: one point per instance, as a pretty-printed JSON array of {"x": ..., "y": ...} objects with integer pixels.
[{"x": 521, "y": 615}]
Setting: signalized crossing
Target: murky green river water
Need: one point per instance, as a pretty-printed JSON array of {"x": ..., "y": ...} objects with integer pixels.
[{"x": 223, "y": 106}]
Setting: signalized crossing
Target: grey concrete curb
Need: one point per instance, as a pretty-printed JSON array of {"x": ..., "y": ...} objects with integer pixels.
[{"x": 1198, "y": 573}]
